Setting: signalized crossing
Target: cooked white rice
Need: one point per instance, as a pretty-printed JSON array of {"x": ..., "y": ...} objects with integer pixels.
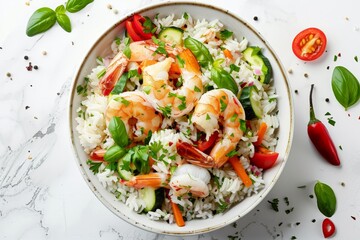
[{"x": 226, "y": 188}]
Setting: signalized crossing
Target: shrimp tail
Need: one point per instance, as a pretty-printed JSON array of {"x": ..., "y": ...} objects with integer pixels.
[
  {"x": 154, "y": 180},
  {"x": 194, "y": 155},
  {"x": 113, "y": 72}
]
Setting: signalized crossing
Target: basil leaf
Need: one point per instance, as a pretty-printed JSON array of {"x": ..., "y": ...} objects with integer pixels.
[
  {"x": 120, "y": 85},
  {"x": 345, "y": 86},
  {"x": 76, "y": 5},
  {"x": 40, "y": 21},
  {"x": 114, "y": 153},
  {"x": 62, "y": 18},
  {"x": 326, "y": 200},
  {"x": 223, "y": 79},
  {"x": 118, "y": 131},
  {"x": 201, "y": 53}
]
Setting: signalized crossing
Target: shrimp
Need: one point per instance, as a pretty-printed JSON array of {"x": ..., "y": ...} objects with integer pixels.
[
  {"x": 214, "y": 107},
  {"x": 140, "y": 51},
  {"x": 187, "y": 178},
  {"x": 174, "y": 102},
  {"x": 192, "y": 179},
  {"x": 136, "y": 112}
]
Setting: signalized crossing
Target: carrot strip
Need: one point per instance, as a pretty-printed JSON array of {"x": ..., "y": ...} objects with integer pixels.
[
  {"x": 177, "y": 215},
  {"x": 261, "y": 133},
  {"x": 240, "y": 171},
  {"x": 228, "y": 54}
]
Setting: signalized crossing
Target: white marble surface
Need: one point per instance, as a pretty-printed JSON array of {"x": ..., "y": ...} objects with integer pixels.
[{"x": 42, "y": 194}]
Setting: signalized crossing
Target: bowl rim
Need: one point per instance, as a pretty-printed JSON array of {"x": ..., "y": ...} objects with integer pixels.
[{"x": 71, "y": 128}]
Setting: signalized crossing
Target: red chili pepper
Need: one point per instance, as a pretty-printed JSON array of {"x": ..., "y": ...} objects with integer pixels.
[
  {"x": 320, "y": 137},
  {"x": 328, "y": 227}
]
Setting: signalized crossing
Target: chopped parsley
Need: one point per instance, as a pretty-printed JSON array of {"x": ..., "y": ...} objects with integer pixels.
[
  {"x": 94, "y": 166},
  {"x": 340, "y": 147},
  {"x": 149, "y": 26},
  {"x": 234, "y": 68},
  {"x": 232, "y": 153},
  {"x": 233, "y": 117},
  {"x": 274, "y": 204},
  {"x": 133, "y": 73},
  {"x": 161, "y": 46},
  {"x": 356, "y": 59},
  {"x": 185, "y": 16},
  {"x": 208, "y": 117},
  {"x": 127, "y": 50},
  {"x": 82, "y": 89},
  {"x": 335, "y": 58},
  {"x": 166, "y": 111},
  {"x": 242, "y": 125},
  {"x": 122, "y": 100},
  {"x": 100, "y": 59},
  {"x": 223, "y": 105},
  {"x": 331, "y": 121},
  {"x": 181, "y": 61},
  {"x": 225, "y": 34},
  {"x": 196, "y": 89},
  {"x": 117, "y": 41}
]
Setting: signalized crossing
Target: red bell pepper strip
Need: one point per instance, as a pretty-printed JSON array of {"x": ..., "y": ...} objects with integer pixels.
[
  {"x": 204, "y": 145},
  {"x": 328, "y": 228},
  {"x": 139, "y": 28},
  {"x": 131, "y": 31},
  {"x": 320, "y": 137}
]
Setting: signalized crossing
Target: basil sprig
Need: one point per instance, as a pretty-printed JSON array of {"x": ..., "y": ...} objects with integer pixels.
[
  {"x": 62, "y": 19},
  {"x": 222, "y": 78},
  {"x": 326, "y": 200},
  {"x": 44, "y": 18},
  {"x": 345, "y": 86},
  {"x": 40, "y": 21},
  {"x": 200, "y": 51},
  {"x": 118, "y": 132}
]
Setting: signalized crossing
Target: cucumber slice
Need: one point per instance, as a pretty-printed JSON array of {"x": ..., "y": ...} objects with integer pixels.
[
  {"x": 153, "y": 198},
  {"x": 172, "y": 35},
  {"x": 254, "y": 57},
  {"x": 249, "y": 99},
  {"x": 124, "y": 174}
]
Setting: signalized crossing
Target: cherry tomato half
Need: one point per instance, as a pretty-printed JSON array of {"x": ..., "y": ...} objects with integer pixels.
[
  {"x": 131, "y": 31},
  {"x": 204, "y": 145},
  {"x": 264, "y": 158},
  {"x": 309, "y": 44},
  {"x": 328, "y": 227},
  {"x": 139, "y": 28}
]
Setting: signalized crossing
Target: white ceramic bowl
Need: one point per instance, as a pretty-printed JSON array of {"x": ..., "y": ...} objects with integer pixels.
[{"x": 285, "y": 106}]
